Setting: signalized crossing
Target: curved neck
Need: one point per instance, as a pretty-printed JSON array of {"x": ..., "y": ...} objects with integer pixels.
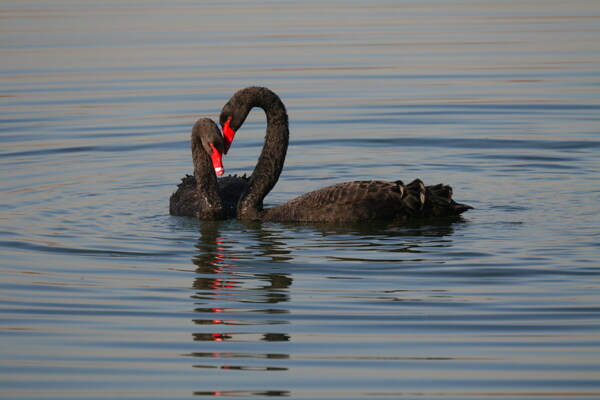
[
  {"x": 271, "y": 160},
  {"x": 209, "y": 200}
]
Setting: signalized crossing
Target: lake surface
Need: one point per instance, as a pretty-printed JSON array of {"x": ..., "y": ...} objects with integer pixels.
[{"x": 104, "y": 295}]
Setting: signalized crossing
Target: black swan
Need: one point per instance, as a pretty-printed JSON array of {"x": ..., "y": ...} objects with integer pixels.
[
  {"x": 343, "y": 202},
  {"x": 201, "y": 195}
]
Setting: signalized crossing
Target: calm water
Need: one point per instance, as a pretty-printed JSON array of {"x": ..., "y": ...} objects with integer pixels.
[{"x": 103, "y": 294}]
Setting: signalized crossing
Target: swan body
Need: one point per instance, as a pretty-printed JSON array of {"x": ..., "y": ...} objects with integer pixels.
[
  {"x": 185, "y": 200},
  {"x": 361, "y": 201},
  {"x": 343, "y": 202}
]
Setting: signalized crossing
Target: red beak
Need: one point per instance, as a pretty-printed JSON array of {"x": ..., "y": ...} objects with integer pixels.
[
  {"x": 228, "y": 134},
  {"x": 217, "y": 160}
]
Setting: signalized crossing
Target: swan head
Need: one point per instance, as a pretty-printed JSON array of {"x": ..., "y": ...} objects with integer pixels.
[
  {"x": 231, "y": 120},
  {"x": 212, "y": 142},
  {"x": 237, "y": 108}
]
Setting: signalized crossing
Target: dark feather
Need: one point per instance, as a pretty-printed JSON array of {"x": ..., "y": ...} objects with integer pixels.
[
  {"x": 184, "y": 201},
  {"x": 368, "y": 201}
]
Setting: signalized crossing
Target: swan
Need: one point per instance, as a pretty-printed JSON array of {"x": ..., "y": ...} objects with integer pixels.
[
  {"x": 375, "y": 200},
  {"x": 201, "y": 195}
]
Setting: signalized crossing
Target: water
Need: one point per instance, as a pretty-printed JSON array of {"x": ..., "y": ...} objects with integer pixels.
[{"x": 103, "y": 294}]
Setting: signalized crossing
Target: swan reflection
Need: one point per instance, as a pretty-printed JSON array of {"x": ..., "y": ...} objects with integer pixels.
[
  {"x": 245, "y": 319},
  {"x": 236, "y": 305}
]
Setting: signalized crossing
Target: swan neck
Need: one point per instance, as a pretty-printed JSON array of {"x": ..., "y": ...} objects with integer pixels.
[
  {"x": 209, "y": 200},
  {"x": 271, "y": 160}
]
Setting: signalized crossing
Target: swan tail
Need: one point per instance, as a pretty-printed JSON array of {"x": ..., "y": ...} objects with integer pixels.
[
  {"x": 414, "y": 197},
  {"x": 441, "y": 203},
  {"x": 184, "y": 201},
  {"x": 188, "y": 180}
]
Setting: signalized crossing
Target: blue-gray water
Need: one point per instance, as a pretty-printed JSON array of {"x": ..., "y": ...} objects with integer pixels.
[{"x": 104, "y": 295}]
